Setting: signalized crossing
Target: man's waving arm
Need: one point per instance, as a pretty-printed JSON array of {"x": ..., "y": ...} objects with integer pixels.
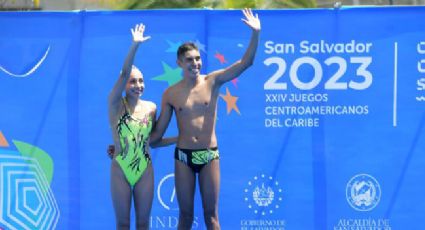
[{"x": 233, "y": 71}]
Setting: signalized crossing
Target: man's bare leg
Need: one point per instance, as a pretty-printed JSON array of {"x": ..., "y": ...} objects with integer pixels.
[
  {"x": 143, "y": 196},
  {"x": 209, "y": 183},
  {"x": 185, "y": 189}
]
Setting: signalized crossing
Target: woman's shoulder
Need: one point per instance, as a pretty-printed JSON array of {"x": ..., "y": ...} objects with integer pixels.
[
  {"x": 149, "y": 104},
  {"x": 149, "y": 107}
]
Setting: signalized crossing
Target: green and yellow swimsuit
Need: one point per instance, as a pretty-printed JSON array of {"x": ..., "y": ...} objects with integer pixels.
[{"x": 134, "y": 136}]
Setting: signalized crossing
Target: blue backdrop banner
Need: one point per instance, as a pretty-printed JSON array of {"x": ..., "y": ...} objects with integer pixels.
[{"x": 324, "y": 131}]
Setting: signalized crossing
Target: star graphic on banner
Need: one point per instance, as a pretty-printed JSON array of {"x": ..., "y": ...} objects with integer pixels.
[
  {"x": 220, "y": 57},
  {"x": 200, "y": 46},
  {"x": 235, "y": 81},
  {"x": 230, "y": 101},
  {"x": 173, "y": 46},
  {"x": 3, "y": 141},
  {"x": 170, "y": 75}
]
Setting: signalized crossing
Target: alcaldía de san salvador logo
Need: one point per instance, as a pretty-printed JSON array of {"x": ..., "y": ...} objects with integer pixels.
[{"x": 363, "y": 192}]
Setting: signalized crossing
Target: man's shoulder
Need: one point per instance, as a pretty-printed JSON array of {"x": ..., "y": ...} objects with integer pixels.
[
  {"x": 172, "y": 89},
  {"x": 211, "y": 77},
  {"x": 168, "y": 94}
]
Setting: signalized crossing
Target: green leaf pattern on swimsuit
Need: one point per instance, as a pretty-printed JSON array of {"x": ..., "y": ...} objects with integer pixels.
[
  {"x": 133, "y": 134},
  {"x": 204, "y": 156}
]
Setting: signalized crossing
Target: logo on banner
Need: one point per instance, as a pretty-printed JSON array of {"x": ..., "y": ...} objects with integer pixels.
[
  {"x": 26, "y": 199},
  {"x": 30, "y": 71},
  {"x": 263, "y": 195},
  {"x": 363, "y": 192},
  {"x": 166, "y": 193}
]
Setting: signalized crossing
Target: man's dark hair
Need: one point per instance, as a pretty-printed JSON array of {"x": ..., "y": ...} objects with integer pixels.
[{"x": 186, "y": 47}]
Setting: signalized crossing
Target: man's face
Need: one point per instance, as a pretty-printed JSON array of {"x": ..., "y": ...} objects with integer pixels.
[{"x": 191, "y": 63}]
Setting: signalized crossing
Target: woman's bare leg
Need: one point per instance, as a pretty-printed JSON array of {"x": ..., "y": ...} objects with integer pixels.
[
  {"x": 143, "y": 196},
  {"x": 121, "y": 196}
]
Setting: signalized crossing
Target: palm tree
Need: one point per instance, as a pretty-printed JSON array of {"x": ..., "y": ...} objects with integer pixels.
[
  {"x": 266, "y": 4},
  {"x": 273, "y": 4},
  {"x": 160, "y": 4},
  {"x": 220, "y": 4}
]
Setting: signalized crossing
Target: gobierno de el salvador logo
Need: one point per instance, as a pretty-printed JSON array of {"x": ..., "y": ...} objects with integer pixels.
[
  {"x": 263, "y": 195},
  {"x": 26, "y": 200},
  {"x": 363, "y": 192}
]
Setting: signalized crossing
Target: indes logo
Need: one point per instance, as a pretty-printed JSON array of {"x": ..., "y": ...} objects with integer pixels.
[
  {"x": 26, "y": 200},
  {"x": 31, "y": 70},
  {"x": 363, "y": 192},
  {"x": 263, "y": 195},
  {"x": 167, "y": 193}
]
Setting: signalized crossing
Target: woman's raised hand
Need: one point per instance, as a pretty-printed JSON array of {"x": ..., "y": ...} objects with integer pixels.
[{"x": 137, "y": 33}]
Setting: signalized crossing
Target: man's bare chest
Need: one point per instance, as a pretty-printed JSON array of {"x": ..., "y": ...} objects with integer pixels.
[{"x": 194, "y": 101}]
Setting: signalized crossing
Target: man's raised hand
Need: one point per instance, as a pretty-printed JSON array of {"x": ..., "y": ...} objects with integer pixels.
[{"x": 251, "y": 20}]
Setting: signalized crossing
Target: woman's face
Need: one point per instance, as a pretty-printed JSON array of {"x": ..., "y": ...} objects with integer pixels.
[{"x": 135, "y": 84}]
